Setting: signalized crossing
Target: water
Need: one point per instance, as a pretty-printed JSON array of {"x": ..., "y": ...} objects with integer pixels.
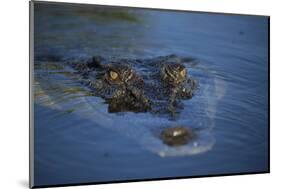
[{"x": 78, "y": 141}]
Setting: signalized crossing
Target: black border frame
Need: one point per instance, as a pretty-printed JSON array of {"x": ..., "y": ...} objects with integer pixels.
[{"x": 31, "y": 62}]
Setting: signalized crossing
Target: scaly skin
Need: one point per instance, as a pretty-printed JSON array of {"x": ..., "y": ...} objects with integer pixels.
[
  {"x": 175, "y": 79},
  {"x": 163, "y": 84},
  {"x": 167, "y": 83},
  {"x": 118, "y": 84},
  {"x": 128, "y": 89}
]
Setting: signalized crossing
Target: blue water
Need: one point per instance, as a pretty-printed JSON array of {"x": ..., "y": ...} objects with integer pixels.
[{"x": 78, "y": 141}]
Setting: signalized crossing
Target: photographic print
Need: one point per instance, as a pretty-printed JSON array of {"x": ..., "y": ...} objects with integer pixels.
[{"x": 121, "y": 94}]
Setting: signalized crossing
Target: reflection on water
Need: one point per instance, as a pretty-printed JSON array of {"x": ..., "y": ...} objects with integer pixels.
[{"x": 74, "y": 131}]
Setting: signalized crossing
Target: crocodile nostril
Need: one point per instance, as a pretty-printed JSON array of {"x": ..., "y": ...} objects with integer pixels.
[{"x": 177, "y": 136}]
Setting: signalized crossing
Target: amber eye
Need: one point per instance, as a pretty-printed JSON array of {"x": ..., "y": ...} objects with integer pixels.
[
  {"x": 113, "y": 75},
  {"x": 183, "y": 72}
]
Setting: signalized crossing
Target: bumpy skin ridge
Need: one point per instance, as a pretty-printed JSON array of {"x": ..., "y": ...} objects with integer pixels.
[{"x": 158, "y": 85}]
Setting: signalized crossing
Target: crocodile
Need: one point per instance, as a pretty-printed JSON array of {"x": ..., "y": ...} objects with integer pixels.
[{"x": 156, "y": 85}]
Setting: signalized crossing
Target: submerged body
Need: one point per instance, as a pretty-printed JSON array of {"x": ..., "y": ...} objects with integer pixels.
[{"x": 158, "y": 87}]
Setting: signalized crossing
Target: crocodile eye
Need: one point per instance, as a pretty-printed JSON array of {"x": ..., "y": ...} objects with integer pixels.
[
  {"x": 183, "y": 73},
  {"x": 113, "y": 75}
]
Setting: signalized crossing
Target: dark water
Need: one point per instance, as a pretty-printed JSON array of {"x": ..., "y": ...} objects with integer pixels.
[{"x": 77, "y": 141}]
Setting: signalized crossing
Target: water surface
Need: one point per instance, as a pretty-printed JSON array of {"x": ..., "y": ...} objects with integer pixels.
[{"x": 78, "y": 141}]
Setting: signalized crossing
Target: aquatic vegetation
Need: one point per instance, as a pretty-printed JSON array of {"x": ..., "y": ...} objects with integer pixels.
[{"x": 108, "y": 15}]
